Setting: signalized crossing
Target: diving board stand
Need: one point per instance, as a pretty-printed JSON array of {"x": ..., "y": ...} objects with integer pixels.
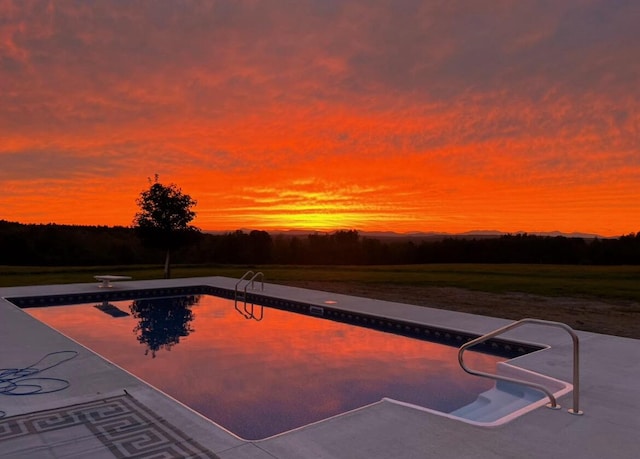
[{"x": 105, "y": 280}]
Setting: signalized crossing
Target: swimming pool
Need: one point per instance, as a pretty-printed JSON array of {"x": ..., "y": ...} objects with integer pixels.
[{"x": 258, "y": 378}]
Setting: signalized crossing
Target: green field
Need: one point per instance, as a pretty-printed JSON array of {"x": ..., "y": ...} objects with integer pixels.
[{"x": 603, "y": 282}]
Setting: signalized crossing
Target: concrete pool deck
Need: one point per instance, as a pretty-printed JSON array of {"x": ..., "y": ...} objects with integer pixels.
[{"x": 609, "y": 397}]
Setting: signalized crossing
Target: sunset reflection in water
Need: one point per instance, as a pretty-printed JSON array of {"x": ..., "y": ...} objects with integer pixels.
[{"x": 260, "y": 378}]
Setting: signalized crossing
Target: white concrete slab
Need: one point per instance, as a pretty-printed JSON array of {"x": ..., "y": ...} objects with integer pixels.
[{"x": 610, "y": 371}]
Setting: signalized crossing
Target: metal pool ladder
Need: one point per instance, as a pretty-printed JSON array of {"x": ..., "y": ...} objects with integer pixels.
[
  {"x": 249, "y": 314},
  {"x": 552, "y": 400}
]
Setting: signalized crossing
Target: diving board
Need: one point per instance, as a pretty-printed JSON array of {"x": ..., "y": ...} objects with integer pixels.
[{"x": 105, "y": 280}]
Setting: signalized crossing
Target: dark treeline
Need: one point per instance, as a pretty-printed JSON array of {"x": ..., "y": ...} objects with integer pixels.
[{"x": 64, "y": 245}]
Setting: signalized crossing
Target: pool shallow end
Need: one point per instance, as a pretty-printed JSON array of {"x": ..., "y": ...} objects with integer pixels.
[{"x": 505, "y": 401}]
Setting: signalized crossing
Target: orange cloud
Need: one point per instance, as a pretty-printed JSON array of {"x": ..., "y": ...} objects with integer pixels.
[{"x": 401, "y": 117}]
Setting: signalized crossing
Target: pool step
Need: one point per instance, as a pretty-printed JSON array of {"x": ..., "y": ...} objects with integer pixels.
[{"x": 504, "y": 399}]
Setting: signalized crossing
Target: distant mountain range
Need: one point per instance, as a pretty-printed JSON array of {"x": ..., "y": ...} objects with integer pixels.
[
  {"x": 473, "y": 234},
  {"x": 430, "y": 235}
]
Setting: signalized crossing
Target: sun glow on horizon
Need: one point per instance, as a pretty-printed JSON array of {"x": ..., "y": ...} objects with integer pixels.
[{"x": 511, "y": 117}]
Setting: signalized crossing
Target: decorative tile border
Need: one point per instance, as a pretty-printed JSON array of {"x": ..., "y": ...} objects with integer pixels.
[
  {"x": 495, "y": 346},
  {"x": 114, "y": 295},
  {"x": 126, "y": 427}
]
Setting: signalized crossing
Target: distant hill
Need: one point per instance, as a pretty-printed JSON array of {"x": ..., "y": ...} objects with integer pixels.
[{"x": 429, "y": 235}]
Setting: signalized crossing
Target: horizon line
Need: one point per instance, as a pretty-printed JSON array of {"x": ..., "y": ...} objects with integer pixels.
[{"x": 391, "y": 233}]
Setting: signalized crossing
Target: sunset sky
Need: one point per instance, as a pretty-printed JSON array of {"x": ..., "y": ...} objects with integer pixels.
[{"x": 396, "y": 115}]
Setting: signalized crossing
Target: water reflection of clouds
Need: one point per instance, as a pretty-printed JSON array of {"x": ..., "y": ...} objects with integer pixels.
[{"x": 290, "y": 369}]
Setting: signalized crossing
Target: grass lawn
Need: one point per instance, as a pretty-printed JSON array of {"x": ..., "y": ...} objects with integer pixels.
[
  {"x": 602, "y": 299},
  {"x": 603, "y": 282}
]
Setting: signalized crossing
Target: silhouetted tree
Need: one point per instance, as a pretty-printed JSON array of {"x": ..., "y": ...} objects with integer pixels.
[
  {"x": 164, "y": 217},
  {"x": 345, "y": 247},
  {"x": 163, "y": 321},
  {"x": 260, "y": 246}
]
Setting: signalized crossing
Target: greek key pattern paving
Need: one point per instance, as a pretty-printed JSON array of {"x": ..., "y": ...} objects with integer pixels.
[{"x": 123, "y": 425}]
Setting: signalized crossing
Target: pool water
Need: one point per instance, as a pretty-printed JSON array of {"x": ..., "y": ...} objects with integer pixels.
[{"x": 261, "y": 378}]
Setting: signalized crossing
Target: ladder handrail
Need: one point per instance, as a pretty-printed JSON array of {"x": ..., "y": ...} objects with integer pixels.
[
  {"x": 251, "y": 315},
  {"x": 255, "y": 276},
  {"x": 248, "y": 314},
  {"x": 244, "y": 276},
  {"x": 552, "y": 399}
]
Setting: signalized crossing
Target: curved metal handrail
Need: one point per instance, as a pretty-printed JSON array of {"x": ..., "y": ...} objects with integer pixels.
[
  {"x": 244, "y": 276},
  {"x": 250, "y": 314},
  {"x": 246, "y": 313},
  {"x": 235, "y": 296},
  {"x": 252, "y": 280},
  {"x": 576, "y": 364}
]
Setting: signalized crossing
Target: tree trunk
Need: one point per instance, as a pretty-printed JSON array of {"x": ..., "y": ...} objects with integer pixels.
[{"x": 167, "y": 269}]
